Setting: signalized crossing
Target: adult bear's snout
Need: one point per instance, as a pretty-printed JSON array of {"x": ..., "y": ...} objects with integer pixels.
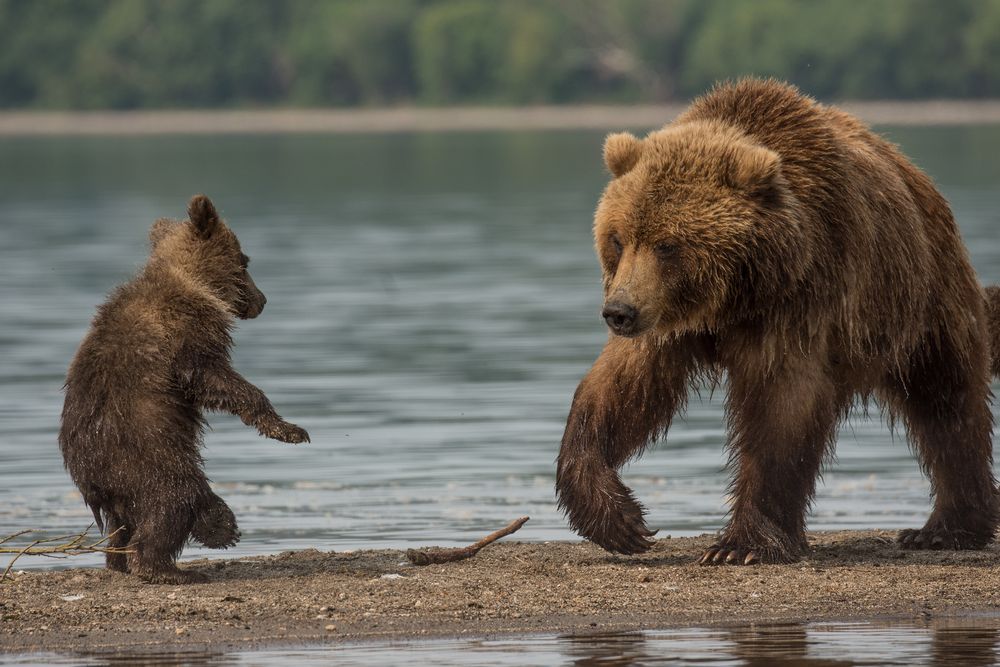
[{"x": 621, "y": 317}]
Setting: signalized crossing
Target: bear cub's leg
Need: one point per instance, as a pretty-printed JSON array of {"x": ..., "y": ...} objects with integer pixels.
[
  {"x": 154, "y": 559},
  {"x": 164, "y": 521},
  {"x": 119, "y": 535},
  {"x": 219, "y": 386}
]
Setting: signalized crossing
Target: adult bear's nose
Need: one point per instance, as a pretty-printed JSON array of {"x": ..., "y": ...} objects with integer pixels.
[{"x": 621, "y": 317}]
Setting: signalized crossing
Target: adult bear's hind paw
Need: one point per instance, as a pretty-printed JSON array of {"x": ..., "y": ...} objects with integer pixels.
[{"x": 941, "y": 538}]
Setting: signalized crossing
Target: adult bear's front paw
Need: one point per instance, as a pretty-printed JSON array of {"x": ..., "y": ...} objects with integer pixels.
[
  {"x": 725, "y": 553},
  {"x": 604, "y": 511},
  {"x": 756, "y": 540},
  {"x": 625, "y": 530},
  {"x": 729, "y": 554}
]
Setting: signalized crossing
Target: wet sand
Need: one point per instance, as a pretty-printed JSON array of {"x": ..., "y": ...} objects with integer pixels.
[
  {"x": 423, "y": 119},
  {"x": 310, "y": 597}
]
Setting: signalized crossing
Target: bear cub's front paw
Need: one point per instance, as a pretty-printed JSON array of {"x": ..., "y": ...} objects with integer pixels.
[{"x": 285, "y": 432}]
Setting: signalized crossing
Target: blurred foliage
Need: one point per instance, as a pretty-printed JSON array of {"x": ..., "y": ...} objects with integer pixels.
[{"x": 95, "y": 54}]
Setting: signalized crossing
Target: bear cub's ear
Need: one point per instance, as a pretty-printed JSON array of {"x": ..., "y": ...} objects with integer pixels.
[
  {"x": 160, "y": 230},
  {"x": 621, "y": 152},
  {"x": 202, "y": 214},
  {"x": 756, "y": 170}
]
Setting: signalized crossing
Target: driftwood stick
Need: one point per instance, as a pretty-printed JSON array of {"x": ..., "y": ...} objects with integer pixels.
[
  {"x": 56, "y": 547},
  {"x": 436, "y": 555}
]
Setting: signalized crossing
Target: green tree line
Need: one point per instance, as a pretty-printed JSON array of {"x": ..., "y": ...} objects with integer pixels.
[{"x": 121, "y": 54}]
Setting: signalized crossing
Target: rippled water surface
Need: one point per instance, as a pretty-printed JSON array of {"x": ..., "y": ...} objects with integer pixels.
[
  {"x": 433, "y": 301},
  {"x": 970, "y": 642}
]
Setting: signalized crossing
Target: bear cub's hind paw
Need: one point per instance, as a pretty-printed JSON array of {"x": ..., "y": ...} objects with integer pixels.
[{"x": 216, "y": 527}]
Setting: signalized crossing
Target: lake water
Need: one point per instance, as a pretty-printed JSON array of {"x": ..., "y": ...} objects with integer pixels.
[{"x": 432, "y": 303}]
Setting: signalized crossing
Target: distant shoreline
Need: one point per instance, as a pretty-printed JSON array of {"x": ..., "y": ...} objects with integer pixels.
[
  {"x": 314, "y": 597},
  {"x": 451, "y": 119}
]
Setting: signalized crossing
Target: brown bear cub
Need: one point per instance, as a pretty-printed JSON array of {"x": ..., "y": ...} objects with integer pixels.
[
  {"x": 156, "y": 355},
  {"x": 779, "y": 243}
]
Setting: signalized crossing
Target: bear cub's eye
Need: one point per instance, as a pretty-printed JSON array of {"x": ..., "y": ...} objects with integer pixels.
[
  {"x": 244, "y": 261},
  {"x": 617, "y": 244}
]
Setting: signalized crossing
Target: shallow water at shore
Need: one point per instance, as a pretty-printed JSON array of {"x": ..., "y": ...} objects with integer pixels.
[
  {"x": 969, "y": 642},
  {"x": 433, "y": 301},
  {"x": 973, "y": 642}
]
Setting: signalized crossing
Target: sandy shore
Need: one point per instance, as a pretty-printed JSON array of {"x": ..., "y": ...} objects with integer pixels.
[
  {"x": 414, "y": 119},
  {"x": 316, "y": 597}
]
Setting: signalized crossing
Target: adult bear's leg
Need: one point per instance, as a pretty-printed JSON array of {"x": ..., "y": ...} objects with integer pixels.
[
  {"x": 782, "y": 425},
  {"x": 944, "y": 401},
  {"x": 624, "y": 402}
]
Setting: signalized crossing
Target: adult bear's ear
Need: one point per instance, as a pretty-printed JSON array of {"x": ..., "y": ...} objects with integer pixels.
[
  {"x": 756, "y": 171},
  {"x": 621, "y": 152},
  {"x": 202, "y": 214}
]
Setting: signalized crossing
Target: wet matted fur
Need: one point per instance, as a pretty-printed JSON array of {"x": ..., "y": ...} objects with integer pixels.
[
  {"x": 779, "y": 243},
  {"x": 156, "y": 355}
]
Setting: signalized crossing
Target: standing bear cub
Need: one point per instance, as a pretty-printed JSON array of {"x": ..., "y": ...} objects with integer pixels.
[
  {"x": 156, "y": 355},
  {"x": 779, "y": 243}
]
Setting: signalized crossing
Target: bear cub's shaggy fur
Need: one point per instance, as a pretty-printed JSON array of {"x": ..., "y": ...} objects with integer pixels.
[
  {"x": 156, "y": 355},
  {"x": 780, "y": 244}
]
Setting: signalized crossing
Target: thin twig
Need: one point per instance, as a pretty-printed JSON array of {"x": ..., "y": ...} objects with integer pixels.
[
  {"x": 18, "y": 534},
  {"x": 6, "y": 573},
  {"x": 435, "y": 555},
  {"x": 58, "y": 547}
]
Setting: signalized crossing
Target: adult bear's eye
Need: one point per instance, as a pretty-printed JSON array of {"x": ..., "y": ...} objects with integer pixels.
[
  {"x": 665, "y": 250},
  {"x": 617, "y": 243}
]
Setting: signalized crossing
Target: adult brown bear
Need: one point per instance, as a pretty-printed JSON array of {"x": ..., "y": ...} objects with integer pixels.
[
  {"x": 778, "y": 242},
  {"x": 156, "y": 355}
]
